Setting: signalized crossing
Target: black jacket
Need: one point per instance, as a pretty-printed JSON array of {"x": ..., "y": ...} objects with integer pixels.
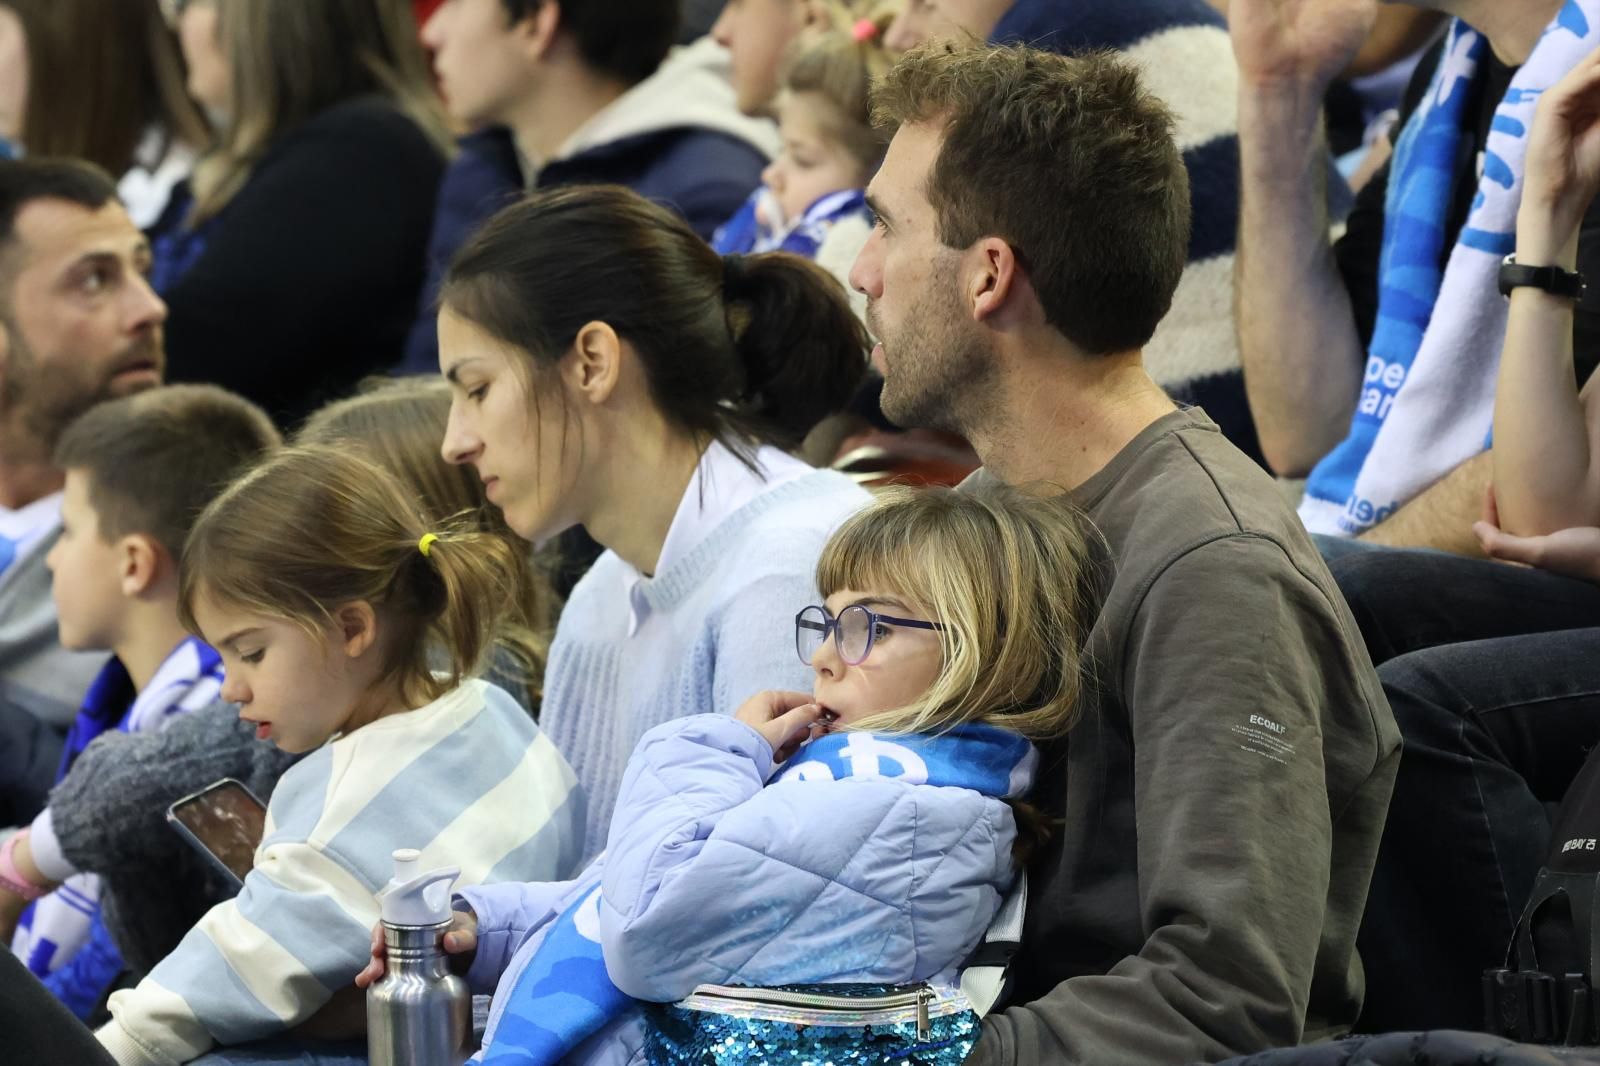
[
  {"x": 675, "y": 138},
  {"x": 308, "y": 280}
]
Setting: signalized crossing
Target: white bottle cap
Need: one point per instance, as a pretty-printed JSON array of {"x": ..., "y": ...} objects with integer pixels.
[{"x": 414, "y": 898}]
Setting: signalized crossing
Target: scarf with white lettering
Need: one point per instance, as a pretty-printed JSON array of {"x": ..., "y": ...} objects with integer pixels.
[{"x": 1427, "y": 401}]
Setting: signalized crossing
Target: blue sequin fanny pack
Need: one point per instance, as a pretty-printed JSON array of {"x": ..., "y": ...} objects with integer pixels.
[{"x": 813, "y": 1025}]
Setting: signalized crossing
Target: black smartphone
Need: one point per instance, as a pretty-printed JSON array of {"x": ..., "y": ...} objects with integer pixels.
[{"x": 224, "y": 822}]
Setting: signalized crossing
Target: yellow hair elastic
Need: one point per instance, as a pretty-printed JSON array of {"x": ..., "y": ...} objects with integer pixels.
[{"x": 425, "y": 545}]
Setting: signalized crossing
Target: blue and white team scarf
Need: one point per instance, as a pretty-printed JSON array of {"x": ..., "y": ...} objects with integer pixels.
[
  {"x": 565, "y": 995},
  {"x": 984, "y": 758},
  {"x": 55, "y": 928},
  {"x": 744, "y": 234},
  {"x": 1427, "y": 402}
]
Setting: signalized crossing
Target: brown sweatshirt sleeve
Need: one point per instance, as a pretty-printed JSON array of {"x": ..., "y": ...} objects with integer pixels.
[{"x": 1249, "y": 714}]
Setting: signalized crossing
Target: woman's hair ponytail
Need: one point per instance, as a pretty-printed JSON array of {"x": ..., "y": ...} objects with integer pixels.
[
  {"x": 753, "y": 349},
  {"x": 801, "y": 346},
  {"x": 315, "y": 527}
]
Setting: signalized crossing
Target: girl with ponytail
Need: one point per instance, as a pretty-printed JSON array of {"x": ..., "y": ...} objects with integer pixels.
[
  {"x": 611, "y": 371},
  {"x": 350, "y": 628}
]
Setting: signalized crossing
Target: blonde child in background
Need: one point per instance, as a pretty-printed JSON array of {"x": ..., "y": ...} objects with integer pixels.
[
  {"x": 350, "y": 629},
  {"x": 812, "y": 199}
]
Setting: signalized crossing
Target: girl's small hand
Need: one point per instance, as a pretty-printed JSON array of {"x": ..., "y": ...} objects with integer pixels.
[
  {"x": 785, "y": 719},
  {"x": 1570, "y": 552},
  {"x": 460, "y": 940}
]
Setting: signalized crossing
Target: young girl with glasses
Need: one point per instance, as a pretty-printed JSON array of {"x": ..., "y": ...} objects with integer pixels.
[{"x": 865, "y": 832}]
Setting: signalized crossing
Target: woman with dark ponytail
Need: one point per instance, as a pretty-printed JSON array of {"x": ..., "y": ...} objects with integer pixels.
[{"x": 611, "y": 371}]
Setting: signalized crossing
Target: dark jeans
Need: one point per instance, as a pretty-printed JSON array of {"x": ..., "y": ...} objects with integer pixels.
[{"x": 1493, "y": 673}]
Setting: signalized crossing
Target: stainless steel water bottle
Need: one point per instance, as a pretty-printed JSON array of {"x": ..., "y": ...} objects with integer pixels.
[{"x": 418, "y": 1013}]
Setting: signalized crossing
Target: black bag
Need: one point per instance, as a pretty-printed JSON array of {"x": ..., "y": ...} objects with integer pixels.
[{"x": 1545, "y": 993}]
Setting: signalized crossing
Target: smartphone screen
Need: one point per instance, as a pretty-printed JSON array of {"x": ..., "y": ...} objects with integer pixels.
[{"x": 225, "y": 822}]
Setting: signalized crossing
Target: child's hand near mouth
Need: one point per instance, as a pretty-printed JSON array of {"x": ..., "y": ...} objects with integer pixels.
[{"x": 786, "y": 719}]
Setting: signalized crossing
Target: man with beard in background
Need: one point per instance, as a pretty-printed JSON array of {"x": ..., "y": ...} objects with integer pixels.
[{"x": 79, "y": 324}]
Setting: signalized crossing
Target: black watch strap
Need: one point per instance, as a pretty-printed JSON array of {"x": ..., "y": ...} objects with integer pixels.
[{"x": 1551, "y": 279}]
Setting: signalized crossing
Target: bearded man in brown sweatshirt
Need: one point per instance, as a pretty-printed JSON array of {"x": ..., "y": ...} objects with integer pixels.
[{"x": 1221, "y": 798}]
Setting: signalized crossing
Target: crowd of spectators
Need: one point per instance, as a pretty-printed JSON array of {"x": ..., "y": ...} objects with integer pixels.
[{"x": 425, "y": 414}]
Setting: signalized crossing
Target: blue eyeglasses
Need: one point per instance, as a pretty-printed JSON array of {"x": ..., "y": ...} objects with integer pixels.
[{"x": 854, "y": 631}]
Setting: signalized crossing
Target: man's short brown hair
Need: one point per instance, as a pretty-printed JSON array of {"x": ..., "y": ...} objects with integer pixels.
[
  {"x": 22, "y": 181},
  {"x": 156, "y": 459},
  {"x": 1066, "y": 158}
]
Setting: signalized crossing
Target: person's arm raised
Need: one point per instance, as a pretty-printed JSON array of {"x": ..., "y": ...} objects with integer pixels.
[
  {"x": 1298, "y": 340},
  {"x": 1547, "y": 436}
]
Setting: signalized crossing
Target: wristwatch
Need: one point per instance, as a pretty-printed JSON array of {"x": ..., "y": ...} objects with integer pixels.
[{"x": 1551, "y": 279}]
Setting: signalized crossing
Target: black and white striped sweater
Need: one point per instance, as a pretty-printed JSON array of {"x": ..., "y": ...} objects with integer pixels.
[{"x": 1182, "y": 50}]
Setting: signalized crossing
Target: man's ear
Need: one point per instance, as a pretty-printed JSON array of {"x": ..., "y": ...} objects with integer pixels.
[
  {"x": 535, "y": 32},
  {"x": 993, "y": 277},
  {"x": 357, "y": 624},
  {"x": 594, "y": 365},
  {"x": 143, "y": 562}
]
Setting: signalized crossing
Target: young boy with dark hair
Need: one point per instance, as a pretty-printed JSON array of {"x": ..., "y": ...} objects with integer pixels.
[
  {"x": 139, "y": 470},
  {"x": 590, "y": 93}
]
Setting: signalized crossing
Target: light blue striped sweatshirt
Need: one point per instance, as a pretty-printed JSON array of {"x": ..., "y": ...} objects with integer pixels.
[
  {"x": 711, "y": 628},
  {"x": 468, "y": 779}
]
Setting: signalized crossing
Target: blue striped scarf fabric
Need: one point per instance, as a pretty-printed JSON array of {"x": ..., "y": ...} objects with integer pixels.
[
  {"x": 747, "y": 234},
  {"x": 1427, "y": 402}
]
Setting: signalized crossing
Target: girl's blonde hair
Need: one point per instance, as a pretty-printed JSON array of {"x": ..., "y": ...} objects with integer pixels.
[
  {"x": 316, "y": 527},
  {"x": 291, "y": 61},
  {"x": 1012, "y": 579},
  {"x": 398, "y": 423},
  {"x": 839, "y": 63}
]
